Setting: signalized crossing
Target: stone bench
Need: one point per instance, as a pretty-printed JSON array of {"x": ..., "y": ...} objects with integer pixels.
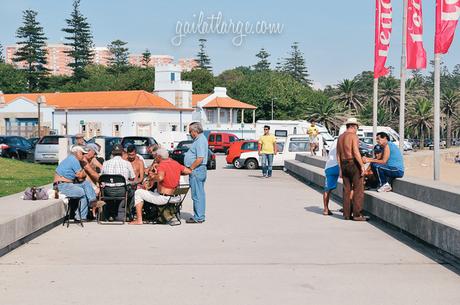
[
  {"x": 434, "y": 225},
  {"x": 22, "y": 220}
]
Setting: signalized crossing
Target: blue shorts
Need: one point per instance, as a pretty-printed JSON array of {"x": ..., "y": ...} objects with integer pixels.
[{"x": 332, "y": 175}]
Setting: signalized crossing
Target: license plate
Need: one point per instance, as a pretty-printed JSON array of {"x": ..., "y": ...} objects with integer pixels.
[{"x": 48, "y": 156}]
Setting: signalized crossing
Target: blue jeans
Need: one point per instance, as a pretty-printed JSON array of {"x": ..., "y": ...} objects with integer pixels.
[
  {"x": 84, "y": 191},
  {"x": 267, "y": 161},
  {"x": 383, "y": 172},
  {"x": 197, "y": 180}
]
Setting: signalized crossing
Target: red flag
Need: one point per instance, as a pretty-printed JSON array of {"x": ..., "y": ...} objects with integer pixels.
[
  {"x": 416, "y": 54},
  {"x": 383, "y": 27},
  {"x": 447, "y": 15}
]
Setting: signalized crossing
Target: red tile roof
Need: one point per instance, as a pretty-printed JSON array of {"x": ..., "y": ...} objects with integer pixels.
[
  {"x": 196, "y": 98},
  {"x": 227, "y": 102},
  {"x": 98, "y": 100}
]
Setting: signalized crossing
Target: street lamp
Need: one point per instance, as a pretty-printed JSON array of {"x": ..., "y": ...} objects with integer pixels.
[
  {"x": 273, "y": 102},
  {"x": 66, "y": 122},
  {"x": 39, "y": 101}
]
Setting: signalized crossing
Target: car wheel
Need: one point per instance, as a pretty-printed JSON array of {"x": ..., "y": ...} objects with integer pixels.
[
  {"x": 237, "y": 164},
  {"x": 213, "y": 164},
  {"x": 15, "y": 156},
  {"x": 252, "y": 164}
]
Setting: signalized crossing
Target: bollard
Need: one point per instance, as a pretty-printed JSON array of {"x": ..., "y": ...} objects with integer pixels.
[{"x": 63, "y": 148}]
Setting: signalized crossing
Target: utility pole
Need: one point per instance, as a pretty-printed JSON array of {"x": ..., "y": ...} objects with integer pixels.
[
  {"x": 39, "y": 101},
  {"x": 66, "y": 122},
  {"x": 437, "y": 111},
  {"x": 402, "y": 100}
]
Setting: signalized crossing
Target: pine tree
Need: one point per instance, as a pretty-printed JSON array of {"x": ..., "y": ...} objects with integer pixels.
[
  {"x": 263, "y": 64},
  {"x": 295, "y": 65},
  {"x": 146, "y": 58},
  {"x": 80, "y": 40},
  {"x": 204, "y": 62},
  {"x": 2, "y": 58},
  {"x": 32, "y": 50},
  {"x": 119, "y": 59}
]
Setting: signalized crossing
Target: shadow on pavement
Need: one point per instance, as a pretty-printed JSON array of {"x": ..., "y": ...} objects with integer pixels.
[{"x": 319, "y": 210}]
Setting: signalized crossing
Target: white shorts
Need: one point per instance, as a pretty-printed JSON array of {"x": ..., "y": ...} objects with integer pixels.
[
  {"x": 152, "y": 197},
  {"x": 314, "y": 140}
]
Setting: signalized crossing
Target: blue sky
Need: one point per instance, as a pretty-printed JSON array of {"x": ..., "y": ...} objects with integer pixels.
[{"x": 336, "y": 36}]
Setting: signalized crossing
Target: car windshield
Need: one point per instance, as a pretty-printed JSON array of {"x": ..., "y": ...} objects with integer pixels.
[
  {"x": 136, "y": 142},
  {"x": 367, "y": 140},
  {"x": 50, "y": 140},
  {"x": 249, "y": 146},
  {"x": 327, "y": 137}
]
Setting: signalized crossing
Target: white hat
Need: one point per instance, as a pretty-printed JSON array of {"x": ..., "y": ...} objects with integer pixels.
[
  {"x": 77, "y": 148},
  {"x": 352, "y": 121}
]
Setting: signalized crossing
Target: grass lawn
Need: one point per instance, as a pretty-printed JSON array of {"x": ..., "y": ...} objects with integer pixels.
[{"x": 16, "y": 176}]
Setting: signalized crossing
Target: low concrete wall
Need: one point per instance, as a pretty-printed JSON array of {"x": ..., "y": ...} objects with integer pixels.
[
  {"x": 21, "y": 220},
  {"x": 434, "y": 193},
  {"x": 433, "y": 225}
]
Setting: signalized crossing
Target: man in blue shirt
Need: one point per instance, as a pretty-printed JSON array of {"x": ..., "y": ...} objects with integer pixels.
[
  {"x": 390, "y": 166},
  {"x": 70, "y": 179},
  {"x": 196, "y": 159}
]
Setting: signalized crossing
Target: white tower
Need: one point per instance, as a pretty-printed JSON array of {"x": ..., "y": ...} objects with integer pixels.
[{"x": 168, "y": 85}]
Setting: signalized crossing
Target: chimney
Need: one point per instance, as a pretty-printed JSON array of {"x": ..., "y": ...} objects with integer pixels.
[
  {"x": 2, "y": 99},
  {"x": 220, "y": 91}
]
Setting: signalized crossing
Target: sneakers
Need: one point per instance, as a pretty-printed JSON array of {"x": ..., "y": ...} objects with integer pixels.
[{"x": 385, "y": 188}]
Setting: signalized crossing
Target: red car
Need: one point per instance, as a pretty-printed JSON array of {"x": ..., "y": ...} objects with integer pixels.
[
  {"x": 221, "y": 141},
  {"x": 237, "y": 148}
]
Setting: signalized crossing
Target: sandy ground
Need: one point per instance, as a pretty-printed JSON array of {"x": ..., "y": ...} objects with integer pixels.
[{"x": 420, "y": 164}]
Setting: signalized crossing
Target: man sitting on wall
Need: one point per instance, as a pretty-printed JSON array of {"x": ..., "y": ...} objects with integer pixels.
[
  {"x": 390, "y": 166},
  {"x": 167, "y": 174}
]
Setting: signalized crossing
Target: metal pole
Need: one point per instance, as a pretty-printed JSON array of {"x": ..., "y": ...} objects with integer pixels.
[
  {"x": 272, "y": 109},
  {"x": 39, "y": 125},
  {"x": 374, "y": 109},
  {"x": 402, "y": 102},
  {"x": 66, "y": 122},
  {"x": 437, "y": 110}
]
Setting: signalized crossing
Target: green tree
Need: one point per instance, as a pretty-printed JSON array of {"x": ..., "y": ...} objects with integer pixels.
[
  {"x": 32, "y": 43},
  {"x": 327, "y": 112},
  {"x": 146, "y": 58},
  {"x": 80, "y": 41},
  {"x": 119, "y": 56},
  {"x": 366, "y": 115},
  {"x": 450, "y": 102},
  {"x": 2, "y": 58},
  {"x": 295, "y": 66},
  {"x": 420, "y": 118},
  {"x": 12, "y": 80},
  {"x": 202, "y": 80},
  {"x": 349, "y": 94},
  {"x": 389, "y": 94},
  {"x": 365, "y": 83},
  {"x": 204, "y": 62},
  {"x": 263, "y": 64}
]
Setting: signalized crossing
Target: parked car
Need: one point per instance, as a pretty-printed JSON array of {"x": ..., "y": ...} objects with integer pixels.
[
  {"x": 33, "y": 141},
  {"x": 15, "y": 147},
  {"x": 221, "y": 141},
  {"x": 141, "y": 144},
  {"x": 183, "y": 146},
  {"x": 47, "y": 148},
  {"x": 109, "y": 143},
  {"x": 237, "y": 148}
]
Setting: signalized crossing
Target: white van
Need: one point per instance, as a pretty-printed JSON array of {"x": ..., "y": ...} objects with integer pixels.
[
  {"x": 287, "y": 150},
  {"x": 366, "y": 134},
  {"x": 282, "y": 128}
]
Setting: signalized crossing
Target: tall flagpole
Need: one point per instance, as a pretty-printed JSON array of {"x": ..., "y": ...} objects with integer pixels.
[
  {"x": 437, "y": 110},
  {"x": 374, "y": 109},
  {"x": 402, "y": 98}
]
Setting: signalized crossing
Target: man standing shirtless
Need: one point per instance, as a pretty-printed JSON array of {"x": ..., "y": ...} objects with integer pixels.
[
  {"x": 352, "y": 170},
  {"x": 137, "y": 163}
]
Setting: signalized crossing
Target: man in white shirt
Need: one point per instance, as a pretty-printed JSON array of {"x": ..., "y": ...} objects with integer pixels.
[{"x": 332, "y": 173}]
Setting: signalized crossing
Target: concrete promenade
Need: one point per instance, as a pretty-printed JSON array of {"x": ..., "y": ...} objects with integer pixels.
[{"x": 264, "y": 242}]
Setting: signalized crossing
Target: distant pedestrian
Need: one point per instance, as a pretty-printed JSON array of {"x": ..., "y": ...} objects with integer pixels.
[
  {"x": 457, "y": 158},
  {"x": 267, "y": 150},
  {"x": 195, "y": 159},
  {"x": 352, "y": 169},
  {"x": 313, "y": 132}
]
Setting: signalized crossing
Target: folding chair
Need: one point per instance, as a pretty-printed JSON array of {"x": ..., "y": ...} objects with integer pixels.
[
  {"x": 181, "y": 192},
  {"x": 117, "y": 181}
]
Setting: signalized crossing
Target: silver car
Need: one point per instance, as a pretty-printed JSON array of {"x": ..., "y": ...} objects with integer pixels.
[{"x": 47, "y": 149}]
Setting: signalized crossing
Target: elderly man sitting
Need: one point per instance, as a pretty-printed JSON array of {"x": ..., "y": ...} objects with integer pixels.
[
  {"x": 167, "y": 174},
  {"x": 70, "y": 181}
]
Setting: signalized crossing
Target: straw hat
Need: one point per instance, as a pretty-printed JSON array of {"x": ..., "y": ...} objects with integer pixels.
[{"x": 352, "y": 121}]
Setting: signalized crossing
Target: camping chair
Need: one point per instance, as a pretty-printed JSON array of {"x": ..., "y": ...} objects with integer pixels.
[
  {"x": 120, "y": 182},
  {"x": 176, "y": 200}
]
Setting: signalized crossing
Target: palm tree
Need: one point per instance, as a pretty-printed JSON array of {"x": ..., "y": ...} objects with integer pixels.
[
  {"x": 349, "y": 94},
  {"x": 389, "y": 95},
  {"x": 450, "y": 101},
  {"x": 383, "y": 115},
  {"x": 328, "y": 112},
  {"x": 420, "y": 118}
]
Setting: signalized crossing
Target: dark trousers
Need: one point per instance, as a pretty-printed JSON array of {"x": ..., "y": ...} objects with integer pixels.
[
  {"x": 114, "y": 208},
  {"x": 352, "y": 180}
]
